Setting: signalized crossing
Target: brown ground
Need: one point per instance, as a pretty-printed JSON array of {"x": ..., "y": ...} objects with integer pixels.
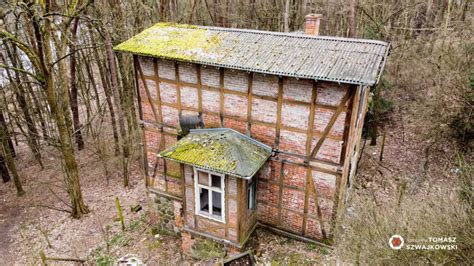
[{"x": 26, "y": 228}]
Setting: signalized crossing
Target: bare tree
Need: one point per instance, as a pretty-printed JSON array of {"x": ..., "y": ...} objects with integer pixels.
[{"x": 352, "y": 19}]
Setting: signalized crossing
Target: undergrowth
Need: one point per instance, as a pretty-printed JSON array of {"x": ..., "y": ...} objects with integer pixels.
[{"x": 442, "y": 212}]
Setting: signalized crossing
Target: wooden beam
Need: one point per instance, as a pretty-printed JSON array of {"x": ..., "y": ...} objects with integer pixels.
[
  {"x": 183, "y": 192},
  {"x": 279, "y": 107},
  {"x": 340, "y": 108},
  {"x": 199, "y": 88},
  {"x": 155, "y": 115},
  {"x": 178, "y": 87},
  {"x": 226, "y": 202},
  {"x": 342, "y": 179},
  {"x": 160, "y": 119},
  {"x": 347, "y": 123},
  {"x": 137, "y": 87},
  {"x": 221, "y": 102},
  {"x": 249, "y": 103},
  {"x": 164, "y": 194},
  {"x": 309, "y": 140},
  {"x": 269, "y": 181},
  {"x": 316, "y": 168},
  {"x": 239, "y": 212},
  {"x": 318, "y": 208},
  {"x": 296, "y": 211},
  {"x": 291, "y": 235},
  {"x": 280, "y": 192},
  {"x": 158, "y": 90},
  {"x": 140, "y": 115}
]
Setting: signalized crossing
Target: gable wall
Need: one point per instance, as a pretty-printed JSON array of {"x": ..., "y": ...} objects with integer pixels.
[{"x": 287, "y": 114}]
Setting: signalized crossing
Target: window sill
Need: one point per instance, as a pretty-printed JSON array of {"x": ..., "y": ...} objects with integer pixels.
[{"x": 211, "y": 217}]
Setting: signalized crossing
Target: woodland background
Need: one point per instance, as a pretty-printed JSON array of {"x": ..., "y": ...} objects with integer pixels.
[{"x": 67, "y": 118}]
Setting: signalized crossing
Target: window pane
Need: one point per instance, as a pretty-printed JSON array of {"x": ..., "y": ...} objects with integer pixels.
[
  {"x": 216, "y": 181},
  {"x": 204, "y": 199},
  {"x": 251, "y": 190},
  {"x": 217, "y": 203},
  {"x": 249, "y": 200},
  {"x": 203, "y": 178}
]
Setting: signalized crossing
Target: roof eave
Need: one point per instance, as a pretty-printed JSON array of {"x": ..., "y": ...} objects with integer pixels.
[
  {"x": 190, "y": 61},
  {"x": 217, "y": 170}
]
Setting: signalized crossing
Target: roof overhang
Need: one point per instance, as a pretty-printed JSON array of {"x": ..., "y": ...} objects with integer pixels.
[
  {"x": 333, "y": 59},
  {"x": 220, "y": 150}
]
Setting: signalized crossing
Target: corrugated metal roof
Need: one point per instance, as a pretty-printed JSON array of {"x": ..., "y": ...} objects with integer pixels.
[
  {"x": 221, "y": 150},
  {"x": 344, "y": 60}
]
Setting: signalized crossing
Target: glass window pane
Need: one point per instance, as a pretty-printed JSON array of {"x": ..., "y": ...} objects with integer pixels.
[
  {"x": 216, "y": 181},
  {"x": 217, "y": 203},
  {"x": 203, "y": 178},
  {"x": 204, "y": 199},
  {"x": 251, "y": 197},
  {"x": 249, "y": 201}
]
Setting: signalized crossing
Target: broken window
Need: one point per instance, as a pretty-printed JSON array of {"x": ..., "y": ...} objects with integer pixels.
[
  {"x": 210, "y": 195},
  {"x": 251, "y": 194}
]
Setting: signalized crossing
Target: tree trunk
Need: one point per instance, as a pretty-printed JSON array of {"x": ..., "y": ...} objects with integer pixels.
[
  {"x": 286, "y": 16},
  {"x": 58, "y": 102},
  {"x": 352, "y": 19},
  {"x": 5, "y": 150},
  {"x": 73, "y": 94},
  {"x": 108, "y": 95},
  {"x": 20, "y": 94},
  {"x": 118, "y": 107},
  {"x": 373, "y": 127},
  {"x": 4, "y": 170}
]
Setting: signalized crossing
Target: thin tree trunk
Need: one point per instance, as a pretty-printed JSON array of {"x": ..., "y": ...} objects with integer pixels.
[
  {"x": 20, "y": 94},
  {"x": 191, "y": 13},
  {"x": 73, "y": 85},
  {"x": 108, "y": 96},
  {"x": 58, "y": 102},
  {"x": 286, "y": 16},
  {"x": 118, "y": 107},
  {"x": 4, "y": 170},
  {"x": 352, "y": 19},
  {"x": 5, "y": 150}
]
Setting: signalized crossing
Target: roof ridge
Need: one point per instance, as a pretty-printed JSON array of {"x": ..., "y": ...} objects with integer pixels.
[
  {"x": 359, "y": 61},
  {"x": 291, "y": 34}
]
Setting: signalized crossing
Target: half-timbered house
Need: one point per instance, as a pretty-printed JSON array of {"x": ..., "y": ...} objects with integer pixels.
[{"x": 246, "y": 128}]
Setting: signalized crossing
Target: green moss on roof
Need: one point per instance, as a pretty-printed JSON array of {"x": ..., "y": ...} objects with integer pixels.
[
  {"x": 171, "y": 41},
  {"x": 334, "y": 59},
  {"x": 221, "y": 150}
]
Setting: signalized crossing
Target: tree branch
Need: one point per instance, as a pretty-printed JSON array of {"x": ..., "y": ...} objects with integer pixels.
[{"x": 36, "y": 77}]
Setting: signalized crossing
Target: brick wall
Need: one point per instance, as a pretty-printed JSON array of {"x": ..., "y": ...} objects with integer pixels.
[
  {"x": 228, "y": 230},
  {"x": 225, "y": 103}
]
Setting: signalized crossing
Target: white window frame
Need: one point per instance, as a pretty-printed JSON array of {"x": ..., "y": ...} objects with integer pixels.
[{"x": 210, "y": 188}]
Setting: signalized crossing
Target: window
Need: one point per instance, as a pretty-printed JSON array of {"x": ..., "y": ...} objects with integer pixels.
[
  {"x": 209, "y": 192},
  {"x": 251, "y": 194}
]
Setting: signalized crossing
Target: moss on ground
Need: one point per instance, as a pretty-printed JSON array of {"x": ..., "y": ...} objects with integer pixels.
[{"x": 205, "y": 249}]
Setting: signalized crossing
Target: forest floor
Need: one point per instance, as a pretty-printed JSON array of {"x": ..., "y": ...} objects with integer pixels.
[{"x": 29, "y": 225}]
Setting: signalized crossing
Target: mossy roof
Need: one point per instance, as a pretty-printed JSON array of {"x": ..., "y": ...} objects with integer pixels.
[
  {"x": 220, "y": 150},
  {"x": 343, "y": 60}
]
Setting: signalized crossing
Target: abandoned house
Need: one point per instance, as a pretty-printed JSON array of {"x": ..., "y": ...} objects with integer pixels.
[{"x": 246, "y": 128}]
